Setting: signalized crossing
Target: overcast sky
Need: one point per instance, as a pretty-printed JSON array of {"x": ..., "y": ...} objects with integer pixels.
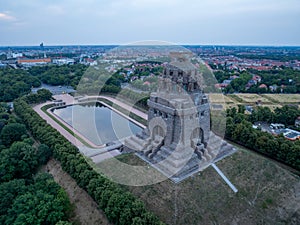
[{"x": 231, "y": 22}]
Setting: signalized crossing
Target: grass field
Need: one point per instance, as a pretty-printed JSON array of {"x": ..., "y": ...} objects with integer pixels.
[
  {"x": 220, "y": 98},
  {"x": 252, "y": 98},
  {"x": 268, "y": 194},
  {"x": 284, "y": 98},
  {"x": 267, "y": 100},
  {"x": 273, "y": 107}
]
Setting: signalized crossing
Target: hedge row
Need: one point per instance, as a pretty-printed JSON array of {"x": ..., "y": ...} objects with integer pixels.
[{"x": 120, "y": 207}]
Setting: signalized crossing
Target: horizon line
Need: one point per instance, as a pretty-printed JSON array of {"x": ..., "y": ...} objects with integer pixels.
[{"x": 173, "y": 44}]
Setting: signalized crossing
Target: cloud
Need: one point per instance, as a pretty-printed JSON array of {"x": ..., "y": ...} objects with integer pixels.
[{"x": 6, "y": 16}]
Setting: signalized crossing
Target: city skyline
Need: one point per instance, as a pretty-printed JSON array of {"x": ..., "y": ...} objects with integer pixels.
[{"x": 255, "y": 23}]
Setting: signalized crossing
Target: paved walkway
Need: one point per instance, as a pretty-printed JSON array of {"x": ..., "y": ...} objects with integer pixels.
[
  {"x": 69, "y": 100},
  {"x": 55, "y": 125},
  {"x": 122, "y": 104},
  {"x": 107, "y": 155}
]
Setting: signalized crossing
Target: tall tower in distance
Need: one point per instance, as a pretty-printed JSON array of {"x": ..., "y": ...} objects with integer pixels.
[{"x": 43, "y": 50}]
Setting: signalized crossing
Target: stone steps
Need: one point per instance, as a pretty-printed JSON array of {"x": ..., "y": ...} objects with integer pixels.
[
  {"x": 135, "y": 143},
  {"x": 137, "y": 140},
  {"x": 155, "y": 148},
  {"x": 174, "y": 154},
  {"x": 176, "y": 171},
  {"x": 215, "y": 144},
  {"x": 152, "y": 147}
]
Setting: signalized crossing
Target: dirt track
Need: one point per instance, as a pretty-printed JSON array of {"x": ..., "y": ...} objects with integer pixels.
[{"x": 85, "y": 208}]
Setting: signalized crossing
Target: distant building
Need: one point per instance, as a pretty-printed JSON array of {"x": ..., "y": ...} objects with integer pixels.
[
  {"x": 263, "y": 86},
  {"x": 233, "y": 77},
  {"x": 226, "y": 82},
  {"x": 223, "y": 85},
  {"x": 256, "y": 78},
  {"x": 89, "y": 62},
  {"x": 277, "y": 126},
  {"x": 17, "y": 55},
  {"x": 250, "y": 84},
  {"x": 292, "y": 135},
  {"x": 59, "y": 103},
  {"x": 249, "y": 109},
  {"x": 11, "y": 55},
  {"x": 134, "y": 78},
  {"x": 273, "y": 87},
  {"x": 64, "y": 61},
  {"x": 277, "y": 129},
  {"x": 33, "y": 62}
]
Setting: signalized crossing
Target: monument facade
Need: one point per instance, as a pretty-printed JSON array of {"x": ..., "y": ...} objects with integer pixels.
[{"x": 178, "y": 140}]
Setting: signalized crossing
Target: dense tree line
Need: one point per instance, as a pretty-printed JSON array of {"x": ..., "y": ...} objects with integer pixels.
[
  {"x": 239, "y": 84},
  {"x": 27, "y": 197},
  {"x": 139, "y": 99},
  {"x": 240, "y": 130},
  {"x": 42, "y": 95},
  {"x": 287, "y": 80},
  {"x": 288, "y": 77},
  {"x": 15, "y": 83},
  {"x": 40, "y": 201},
  {"x": 119, "y": 206},
  {"x": 146, "y": 70},
  {"x": 220, "y": 74},
  {"x": 141, "y": 85},
  {"x": 99, "y": 80},
  {"x": 59, "y": 75},
  {"x": 285, "y": 115}
]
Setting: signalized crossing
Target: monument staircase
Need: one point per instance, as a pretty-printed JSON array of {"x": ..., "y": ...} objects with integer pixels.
[{"x": 176, "y": 160}]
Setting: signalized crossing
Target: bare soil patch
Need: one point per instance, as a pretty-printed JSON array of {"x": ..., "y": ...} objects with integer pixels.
[{"x": 85, "y": 208}]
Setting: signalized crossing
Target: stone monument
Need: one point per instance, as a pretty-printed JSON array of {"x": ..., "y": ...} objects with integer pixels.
[{"x": 178, "y": 140}]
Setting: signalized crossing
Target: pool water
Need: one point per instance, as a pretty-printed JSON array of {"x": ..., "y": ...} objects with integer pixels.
[{"x": 97, "y": 122}]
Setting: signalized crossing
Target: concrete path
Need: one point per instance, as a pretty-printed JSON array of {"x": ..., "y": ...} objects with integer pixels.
[
  {"x": 122, "y": 104},
  {"x": 55, "y": 125},
  {"x": 107, "y": 155},
  {"x": 235, "y": 190}
]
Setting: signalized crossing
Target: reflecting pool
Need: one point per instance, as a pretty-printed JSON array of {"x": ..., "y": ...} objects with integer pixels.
[{"x": 97, "y": 122}]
